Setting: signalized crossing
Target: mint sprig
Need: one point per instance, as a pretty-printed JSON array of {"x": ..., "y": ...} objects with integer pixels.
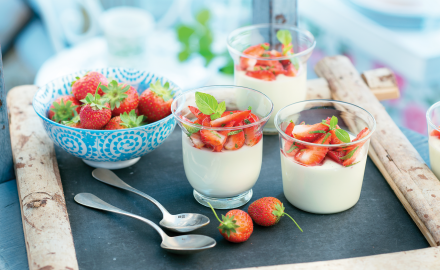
[
  {"x": 340, "y": 133},
  {"x": 191, "y": 130},
  {"x": 207, "y": 104},
  {"x": 285, "y": 38},
  {"x": 234, "y": 132}
]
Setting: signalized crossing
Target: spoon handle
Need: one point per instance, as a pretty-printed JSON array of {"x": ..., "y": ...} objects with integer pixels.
[
  {"x": 90, "y": 200},
  {"x": 110, "y": 178}
]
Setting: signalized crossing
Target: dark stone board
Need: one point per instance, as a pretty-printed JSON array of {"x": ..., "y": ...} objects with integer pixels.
[{"x": 377, "y": 224}]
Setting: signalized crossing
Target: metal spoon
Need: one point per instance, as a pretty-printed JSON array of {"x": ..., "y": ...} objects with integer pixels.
[
  {"x": 183, "y": 244},
  {"x": 182, "y": 223}
]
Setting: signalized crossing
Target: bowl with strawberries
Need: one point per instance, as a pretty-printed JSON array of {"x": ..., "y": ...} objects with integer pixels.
[
  {"x": 323, "y": 146},
  {"x": 222, "y": 141},
  {"x": 108, "y": 117}
]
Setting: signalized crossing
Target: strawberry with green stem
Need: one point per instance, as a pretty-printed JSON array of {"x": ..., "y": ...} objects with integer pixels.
[
  {"x": 88, "y": 84},
  {"x": 155, "y": 102},
  {"x": 121, "y": 97},
  {"x": 268, "y": 211},
  {"x": 124, "y": 121},
  {"x": 236, "y": 226},
  {"x": 64, "y": 109},
  {"x": 74, "y": 122},
  {"x": 96, "y": 112}
]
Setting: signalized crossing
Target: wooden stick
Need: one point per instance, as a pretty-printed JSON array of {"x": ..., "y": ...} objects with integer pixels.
[
  {"x": 382, "y": 83},
  {"x": 46, "y": 226},
  {"x": 402, "y": 162}
]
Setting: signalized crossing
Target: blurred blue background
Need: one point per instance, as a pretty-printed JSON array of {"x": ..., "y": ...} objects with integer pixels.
[{"x": 186, "y": 41}]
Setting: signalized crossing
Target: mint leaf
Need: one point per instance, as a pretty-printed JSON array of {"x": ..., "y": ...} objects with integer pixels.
[
  {"x": 342, "y": 135},
  {"x": 215, "y": 116},
  {"x": 284, "y": 37},
  {"x": 221, "y": 108},
  {"x": 192, "y": 130},
  {"x": 250, "y": 108},
  {"x": 264, "y": 46},
  {"x": 325, "y": 138},
  {"x": 316, "y": 131},
  {"x": 333, "y": 122},
  {"x": 234, "y": 132},
  {"x": 206, "y": 103},
  {"x": 350, "y": 154},
  {"x": 352, "y": 164},
  {"x": 293, "y": 147},
  {"x": 247, "y": 122}
]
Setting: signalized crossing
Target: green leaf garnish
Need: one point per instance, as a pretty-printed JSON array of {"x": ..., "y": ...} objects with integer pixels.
[
  {"x": 325, "y": 138},
  {"x": 293, "y": 147},
  {"x": 350, "y": 154},
  {"x": 333, "y": 122},
  {"x": 352, "y": 164},
  {"x": 284, "y": 37},
  {"x": 250, "y": 108},
  {"x": 207, "y": 104},
  {"x": 234, "y": 132},
  {"x": 342, "y": 135},
  {"x": 247, "y": 122},
  {"x": 190, "y": 129},
  {"x": 264, "y": 46},
  {"x": 316, "y": 131}
]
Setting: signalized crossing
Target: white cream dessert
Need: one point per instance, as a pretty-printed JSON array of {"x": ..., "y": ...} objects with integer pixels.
[
  {"x": 222, "y": 174},
  {"x": 284, "y": 90},
  {"x": 434, "y": 154}
]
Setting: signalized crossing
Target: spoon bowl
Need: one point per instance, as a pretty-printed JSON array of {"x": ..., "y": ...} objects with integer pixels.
[{"x": 181, "y": 223}]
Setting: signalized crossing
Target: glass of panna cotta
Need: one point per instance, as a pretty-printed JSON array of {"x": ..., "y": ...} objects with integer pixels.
[
  {"x": 272, "y": 58},
  {"x": 433, "y": 120},
  {"x": 222, "y": 154},
  {"x": 323, "y": 146}
]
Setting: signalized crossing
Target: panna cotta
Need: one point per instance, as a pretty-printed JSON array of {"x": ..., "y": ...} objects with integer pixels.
[
  {"x": 434, "y": 153},
  {"x": 222, "y": 174}
]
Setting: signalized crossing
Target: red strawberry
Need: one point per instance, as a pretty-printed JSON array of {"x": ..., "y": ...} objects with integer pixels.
[
  {"x": 236, "y": 226},
  {"x": 124, "y": 121},
  {"x": 206, "y": 122},
  {"x": 74, "y": 122},
  {"x": 310, "y": 133},
  {"x": 96, "y": 113},
  {"x": 252, "y": 134},
  {"x": 88, "y": 84},
  {"x": 289, "y": 128},
  {"x": 290, "y": 70},
  {"x": 198, "y": 113},
  {"x": 257, "y": 51},
  {"x": 235, "y": 141},
  {"x": 292, "y": 148},
  {"x": 362, "y": 134},
  {"x": 155, "y": 102},
  {"x": 228, "y": 125},
  {"x": 264, "y": 75},
  {"x": 64, "y": 109},
  {"x": 267, "y": 211},
  {"x": 237, "y": 117},
  {"x": 314, "y": 155},
  {"x": 271, "y": 65},
  {"x": 336, "y": 156},
  {"x": 334, "y": 138},
  {"x": 212, "y": 137},
  {"x": 196, "y": 139},
  {"x": 122, "y": 97},
  {"x": 435, "y": 133},
  {"x": 351, "y": 156}
]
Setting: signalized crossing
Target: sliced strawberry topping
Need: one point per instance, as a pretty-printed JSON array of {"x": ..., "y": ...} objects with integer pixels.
[
  {"x": 289, "y": 128},
  {"x": 197, "y": 140},
  {"x": 309, "y": 133},
  {"x": 335, "y": 139},
  {"x": 271, "y": 65},
  {"x": 229, "y": 112},
  {"x": 212, "y": 137},
  {"x": 185, "y": 119},
  {"x": 225, "y": 132},
  {"x": 206, "y": 122},
  {"x": 360, "y": 136},
  {"x": 336, "y": 156},
  {"x": 264, "y": 75},
  {"x": 292, "y": 148},
  {"x": 237, "y": 117},
  {"x": 235, "y": 141},
  {"x": 290, "y": 70},
  {"x": 435, "y": 133},
  {"x": 351, "y": 156},
  {"x": 252, "y": 134},
  {"x": 198, "y": 113},
  {"x": 313, "y": 155},
  {"x": 256, "y": 50}
]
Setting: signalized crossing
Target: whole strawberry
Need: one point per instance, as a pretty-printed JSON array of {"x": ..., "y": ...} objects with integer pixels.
[
  {"x": 96, "y": 112},
  {"x": 64, "y": 108},
  {"x": 125, "y": 120},
  {"x": 236, "y": 226},
  {"x": 74, "y": 122},
  {"x": 88, "y": 84},
  {"x": 267, "y": 211},
  {"x": 122, "y": 97},
  {"x": 155, "y": 102}
]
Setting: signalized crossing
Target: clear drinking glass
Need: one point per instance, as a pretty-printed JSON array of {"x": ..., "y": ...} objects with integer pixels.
[
  {"x": 433, "y": 120},
  {"x": 225, "y": 178},
  {"x": 287, "y": 84},
  {"x": 328, "y": 187}
]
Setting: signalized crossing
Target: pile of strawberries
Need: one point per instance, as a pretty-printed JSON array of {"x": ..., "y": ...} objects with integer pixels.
[
  {"x": 96, "y": 103},
  {"x": 217, "y": 140},
  {"x": 327, "y": 132},
  {"x": 237, "y": 226}
]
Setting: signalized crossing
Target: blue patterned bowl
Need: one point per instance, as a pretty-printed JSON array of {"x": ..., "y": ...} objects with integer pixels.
[{"x": 111, "y": 149}]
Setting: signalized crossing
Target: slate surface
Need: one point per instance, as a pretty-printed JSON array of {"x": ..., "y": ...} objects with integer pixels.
[{"x": 377, "y": 224}]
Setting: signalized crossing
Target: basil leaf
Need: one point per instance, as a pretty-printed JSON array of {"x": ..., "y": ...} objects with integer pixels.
[
  {"x": 234, "y": 132},
  {"x": 342, "y": 135},
  {"x": 333, "y": 122},
  {"x": 316, "y": 131},
  {"x": 350, "y": 154},
  {"x": 206, "y": 103},
  {"x": 293, "y": 147},
  {"x": 284, "y": 37}
]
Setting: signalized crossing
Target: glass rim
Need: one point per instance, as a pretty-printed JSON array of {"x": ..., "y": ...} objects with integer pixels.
[
  {"x": 428, "y": 117},
  {"x": 265, "y": 25},
  {"x": 183, "y": 93},
  {"x": 366, "y": 138}
]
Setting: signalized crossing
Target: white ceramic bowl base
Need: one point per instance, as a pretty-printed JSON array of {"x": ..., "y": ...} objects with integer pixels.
[{"x": 112, "y": 165}]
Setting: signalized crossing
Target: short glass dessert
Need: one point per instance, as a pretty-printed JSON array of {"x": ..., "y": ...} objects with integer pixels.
[
  {"x": 433, "y": 120},
  {"x": 324, "y": 146},
  {"x": 272, "y": 58},
  {"x": 222, "y": 141}
]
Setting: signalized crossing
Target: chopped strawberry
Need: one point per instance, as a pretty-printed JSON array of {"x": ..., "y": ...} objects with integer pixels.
[
  {"x": 256, "y": 50},
  {"x": 289, "y": 128},
  {"x": 309, "y": 133},
  {"x": 275, "y": 53},
  {"x": 198, "y": 113},
  {"x": 185, "y": 119},
  {"x": 225, "y": 132},
  {"x": 351, "y": 156},
  {"x": 271, "y": 65},
  {"x": 435, "y": 133},
  {"x": 292, "y": 148},
  {"x": 237, "y": 117},
  {"x": 335, "y": 139},
  {"x": 360, "y": 136},
  {"x": 252, "y": 134},
  {"x": 229, "y": 112},
  {"x": 313, "y": 155},
  {"x": 336, "y": 156},
  {"x": 212, "y": 137},
  {"x": 235, "y": 141},
  {"x": 206, "y": 122},
  {"x": 290, "y": 70},
  {"x": 196, "y": 139},
  {"x": 264, "y": 75}
]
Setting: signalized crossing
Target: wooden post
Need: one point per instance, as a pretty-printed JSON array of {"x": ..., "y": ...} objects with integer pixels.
[
  {"x": 6, "y": 165},
  {"x": 275, "y": 11}
]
